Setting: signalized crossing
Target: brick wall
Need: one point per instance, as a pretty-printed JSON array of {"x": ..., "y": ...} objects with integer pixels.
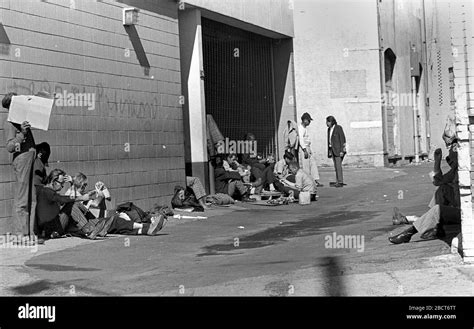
[
  {"x": 461, "y": 27},
  {"x": 82, "y": 46}
]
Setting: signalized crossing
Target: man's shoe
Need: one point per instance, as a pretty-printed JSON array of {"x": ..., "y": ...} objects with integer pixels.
[
  {"x": 398, "y": 218},
  {"x": 403, "y": 237},
  {"x": 435, "y": 233},
  {"x": 318, "y": 184},
  {"x": 338, "y": 185},
  {"x": 157, "y": 223},
  {"x": 247, "y": 199}
]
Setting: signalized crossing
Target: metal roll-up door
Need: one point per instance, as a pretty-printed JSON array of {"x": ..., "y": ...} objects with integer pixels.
[{"x": 238, "y": 83}]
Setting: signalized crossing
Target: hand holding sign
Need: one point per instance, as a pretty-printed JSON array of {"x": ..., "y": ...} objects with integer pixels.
[
  {"x": 25, "y": 126},
  {"x": 31, "y": 111}
]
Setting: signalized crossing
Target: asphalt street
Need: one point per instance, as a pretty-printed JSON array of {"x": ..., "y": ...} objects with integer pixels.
[{"x": 259, "y": 250}]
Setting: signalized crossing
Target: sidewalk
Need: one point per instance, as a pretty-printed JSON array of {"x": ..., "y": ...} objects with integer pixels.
[{"x": 281, "y": 252}]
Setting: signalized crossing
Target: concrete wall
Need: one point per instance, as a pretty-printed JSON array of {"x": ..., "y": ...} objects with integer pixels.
[
  {"x": 462, "y": 42},
  {"x": 337, "y": 73},
  {"x": 276, "y": 16},
  {"x": 401, "y": 26},
  {"x": 82, "y": 46},
  {"x": 284, "y": 76},
  {"x": 440, "y": 59},
  {"x": 194, "y": 108}
]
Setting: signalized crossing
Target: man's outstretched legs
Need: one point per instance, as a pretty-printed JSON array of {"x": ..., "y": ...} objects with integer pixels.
[{"x": 430, "y": 225}]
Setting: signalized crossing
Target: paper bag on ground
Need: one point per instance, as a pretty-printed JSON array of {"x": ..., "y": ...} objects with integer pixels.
[{"x": 36, "y": 110}]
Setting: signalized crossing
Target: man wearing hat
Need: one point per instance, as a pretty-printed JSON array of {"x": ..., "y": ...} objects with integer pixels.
[{"x": 307, "y": 158}]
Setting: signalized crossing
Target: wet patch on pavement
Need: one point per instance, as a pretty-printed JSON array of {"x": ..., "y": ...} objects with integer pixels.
[
  {"x": 56, "y": 267},
  {"x": 32, "y": 288},
  {"x": 308, "y": 226}
]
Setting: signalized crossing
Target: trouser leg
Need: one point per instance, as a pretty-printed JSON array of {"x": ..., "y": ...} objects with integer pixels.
[
  {"x": 314, "y": 167},
  {"x": 23, "y": 198},
  {"x": 195, "y": 184},
  {"x": 310, "y": 165},
  {"x": 231, "y": 188},
  {"x": 437, "y": 215},
  {"x": 286, "y": 190},
  {"x": 338, "y": 167},
  {"x": 77, "y": 215},
  {"x": 269, "y": 177},
  {"x": 258, "y": 176},
  {"x": 121, "y": 226},
  {"x": 428, "y": 220}
]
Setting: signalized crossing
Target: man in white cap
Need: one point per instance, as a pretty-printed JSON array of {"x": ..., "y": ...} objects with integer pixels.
[{"x": 307, "y": 158}]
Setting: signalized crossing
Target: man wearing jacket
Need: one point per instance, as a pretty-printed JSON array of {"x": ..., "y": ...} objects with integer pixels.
[
  {"x": 336, "y": 147},
  {"x": 228, "y": 182},
  {"x": 21, "y": 144}
]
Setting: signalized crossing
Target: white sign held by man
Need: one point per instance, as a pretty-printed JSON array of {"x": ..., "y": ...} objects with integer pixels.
[{"x": 34, "y": 109}]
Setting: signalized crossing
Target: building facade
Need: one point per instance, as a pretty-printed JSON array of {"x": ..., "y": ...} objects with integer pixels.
[
  {"x": 368, "y": 69},
  {"x": 461, "y": 33},
  {"x": 151, "y": 85},
  {"x": 237, "y": 65}
]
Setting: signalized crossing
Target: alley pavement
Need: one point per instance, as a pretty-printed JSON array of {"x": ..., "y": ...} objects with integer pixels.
[{"x": 256, "y": 250}]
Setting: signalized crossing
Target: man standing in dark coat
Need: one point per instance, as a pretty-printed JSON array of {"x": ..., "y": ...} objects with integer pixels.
[{"x": 336, "y": 147}]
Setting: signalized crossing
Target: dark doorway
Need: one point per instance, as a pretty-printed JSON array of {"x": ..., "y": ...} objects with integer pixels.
[
  {"x": 238, "y": 83},
  {"x": 389, "y": 65}
]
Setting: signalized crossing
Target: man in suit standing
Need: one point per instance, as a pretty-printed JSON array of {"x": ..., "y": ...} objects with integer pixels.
[{"x": 336, "y": 147}]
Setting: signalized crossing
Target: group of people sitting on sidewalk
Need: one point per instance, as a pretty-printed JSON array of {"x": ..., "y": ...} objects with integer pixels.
[
  {"x": 42, "y": 212},
  {"x": 73, "y": 213},
  {"x": 256, "y": 175}
]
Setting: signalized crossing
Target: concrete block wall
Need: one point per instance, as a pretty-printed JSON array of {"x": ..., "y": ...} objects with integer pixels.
[
  {"x": 462, "y": 42},
  {"x": 133, "y": 137}
]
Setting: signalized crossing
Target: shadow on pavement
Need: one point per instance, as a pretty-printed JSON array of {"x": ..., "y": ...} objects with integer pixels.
[
  {"x": 333, "y": 276},
  {"x": 281, "y": 233}
]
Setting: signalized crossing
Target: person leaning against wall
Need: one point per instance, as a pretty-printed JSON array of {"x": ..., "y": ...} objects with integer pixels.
[
  {"x": 336, "y": 147},
  {"x": 20, "y": 142}
]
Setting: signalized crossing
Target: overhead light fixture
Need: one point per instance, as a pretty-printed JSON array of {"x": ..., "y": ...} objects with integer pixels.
[{"x": 130, "y": 16}]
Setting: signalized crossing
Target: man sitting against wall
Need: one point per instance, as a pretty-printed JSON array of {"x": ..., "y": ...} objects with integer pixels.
[
  {"x": 51, "y": 206},
  {"x": 83, "y": 223},
  {"x": 447, "y": 207},
  {"x": 229, "y": 183}
]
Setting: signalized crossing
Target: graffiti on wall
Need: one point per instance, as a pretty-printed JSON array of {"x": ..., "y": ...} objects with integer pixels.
[{"x": 109, "y": 102}]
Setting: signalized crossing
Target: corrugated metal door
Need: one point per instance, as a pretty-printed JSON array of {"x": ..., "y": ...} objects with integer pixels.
[{"x": 238, "y": 83}]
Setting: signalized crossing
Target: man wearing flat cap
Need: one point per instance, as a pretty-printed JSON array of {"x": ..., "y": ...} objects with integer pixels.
[{"x": 307, "y": 158}]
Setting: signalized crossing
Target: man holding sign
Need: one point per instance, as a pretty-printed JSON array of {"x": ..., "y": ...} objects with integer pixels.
[{"x": 20, "y": 142}]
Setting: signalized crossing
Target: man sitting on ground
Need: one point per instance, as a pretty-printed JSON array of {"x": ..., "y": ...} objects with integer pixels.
[
  {"x": 303, "y": 182},
  {"x": 229, "y": 183},
  {"x": 48, "y": 208},
  {"x": 430, "y": 224}
]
